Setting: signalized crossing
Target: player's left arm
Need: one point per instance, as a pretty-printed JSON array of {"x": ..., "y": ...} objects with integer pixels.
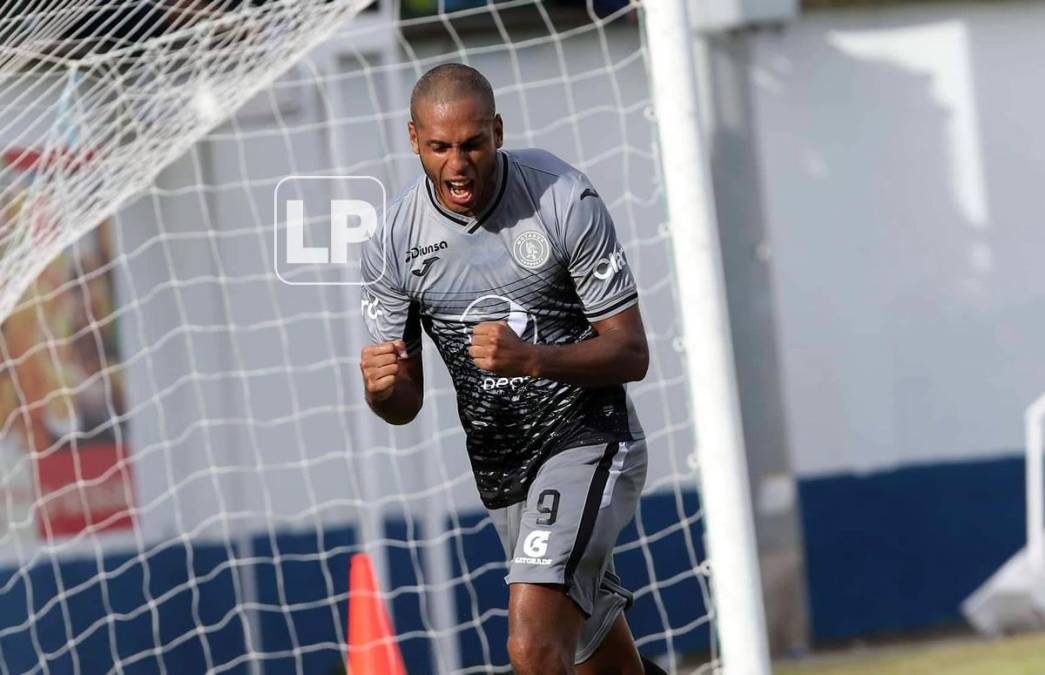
[
  {"x": 617, "y": 354},
  {"x": 606, "y": 288}
]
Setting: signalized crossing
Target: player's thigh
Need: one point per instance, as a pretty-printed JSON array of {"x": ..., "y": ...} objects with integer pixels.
[
  {"x": 543, "y": 615},
  {"x": 616, "y": 655},
  {"x": 579, "y": 501},
  {"x": 506, "y": 522}
]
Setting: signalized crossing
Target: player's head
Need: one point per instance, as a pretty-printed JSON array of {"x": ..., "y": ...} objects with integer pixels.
[{"x": 455, "y": 130}]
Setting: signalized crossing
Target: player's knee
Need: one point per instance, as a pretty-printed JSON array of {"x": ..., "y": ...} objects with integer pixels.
[{"x": 536, "y": 652}]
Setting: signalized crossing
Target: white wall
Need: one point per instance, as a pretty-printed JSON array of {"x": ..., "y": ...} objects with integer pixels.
[{"x": 902, "y": 169}]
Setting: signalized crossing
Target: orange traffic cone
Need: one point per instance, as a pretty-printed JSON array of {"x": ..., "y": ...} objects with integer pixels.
[{"x": 372, "y": 649}]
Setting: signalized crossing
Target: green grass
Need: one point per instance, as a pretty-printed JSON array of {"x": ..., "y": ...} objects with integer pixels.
[{"x": 1021, "y": 655}]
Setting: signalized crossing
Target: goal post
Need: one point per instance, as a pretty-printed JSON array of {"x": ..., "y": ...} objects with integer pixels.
[
  {"x": 736, "y": 585},
  {"x": 187, "y": 463}
]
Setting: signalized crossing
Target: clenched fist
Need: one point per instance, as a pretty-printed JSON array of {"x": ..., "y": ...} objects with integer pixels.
[
  {"x": 380, "y": 366},
  {"x": 496, "y": 348}
]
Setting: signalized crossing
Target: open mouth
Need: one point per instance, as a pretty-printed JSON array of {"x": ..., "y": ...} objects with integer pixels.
[{"x": 461, "y": 191}]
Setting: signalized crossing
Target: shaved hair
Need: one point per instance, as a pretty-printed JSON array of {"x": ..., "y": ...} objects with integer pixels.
[{"x": 452, "y": 82}]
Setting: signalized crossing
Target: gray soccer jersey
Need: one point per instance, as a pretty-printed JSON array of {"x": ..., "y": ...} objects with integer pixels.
[{"x": 544, "y": 257}]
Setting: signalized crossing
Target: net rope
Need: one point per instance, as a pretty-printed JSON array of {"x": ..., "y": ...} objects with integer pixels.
[{"x": 186, "y": 459}]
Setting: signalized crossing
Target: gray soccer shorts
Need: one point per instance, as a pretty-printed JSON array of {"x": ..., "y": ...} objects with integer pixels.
[{"x": 565, "y": 531}]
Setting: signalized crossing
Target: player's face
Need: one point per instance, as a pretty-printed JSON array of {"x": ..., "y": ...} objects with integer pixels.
[{"x": 457, "y": 142}]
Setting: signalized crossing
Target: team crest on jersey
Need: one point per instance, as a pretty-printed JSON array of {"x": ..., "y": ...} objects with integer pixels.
[{"x": 531, "y": 249}]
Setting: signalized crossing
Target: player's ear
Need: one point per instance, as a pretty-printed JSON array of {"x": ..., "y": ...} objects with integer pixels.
[
  {"x": 498, "y": 130},
  {"x": 412, "y": 128}
]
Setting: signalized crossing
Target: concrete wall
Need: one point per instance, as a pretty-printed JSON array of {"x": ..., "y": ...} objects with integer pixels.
[
  {"x": 900, "y": 172},
  {"x": 899, "y": 168}
]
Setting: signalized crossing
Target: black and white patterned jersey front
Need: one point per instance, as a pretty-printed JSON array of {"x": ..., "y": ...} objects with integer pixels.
[{"x": 543, "y": 256}]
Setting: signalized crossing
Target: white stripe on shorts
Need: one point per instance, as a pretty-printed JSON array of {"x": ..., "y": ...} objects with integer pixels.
[{"x": 615, "y": 470}]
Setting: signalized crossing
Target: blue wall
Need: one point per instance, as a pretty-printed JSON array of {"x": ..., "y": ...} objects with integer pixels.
[
  {"x": 887, "y": 552},
  {"x": 667, "y": 559},
  {"x": 305, "y": 563},
  {"x": 899, "y": 550},
  {"x": 131, "y": 628},
  {"x": 299, "y": 573}
]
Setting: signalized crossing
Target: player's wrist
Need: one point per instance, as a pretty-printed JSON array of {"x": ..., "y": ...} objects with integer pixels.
[{"x": 535, "y": 361}]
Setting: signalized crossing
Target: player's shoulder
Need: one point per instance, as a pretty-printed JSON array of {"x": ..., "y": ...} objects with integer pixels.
[
  {"x": 401, "y": 203},
  {"x": 536, "y": 161},
  {"x": 539, "y": 160},
  {"x": 403, "y": 209},
  {"x": 394, "y": 227},
  {"x": 550, "y": 175}
]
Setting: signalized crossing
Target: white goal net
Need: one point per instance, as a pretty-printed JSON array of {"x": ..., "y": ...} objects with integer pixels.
[{"x": 187, "y": 464}]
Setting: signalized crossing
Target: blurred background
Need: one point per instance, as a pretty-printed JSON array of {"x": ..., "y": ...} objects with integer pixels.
[{"x": 183, "y": 444}]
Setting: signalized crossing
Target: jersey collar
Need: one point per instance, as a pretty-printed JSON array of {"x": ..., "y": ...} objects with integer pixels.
[{"x": 472, "y": 225}]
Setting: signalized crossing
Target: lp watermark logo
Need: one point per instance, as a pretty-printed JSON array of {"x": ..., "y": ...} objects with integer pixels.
[{"x": 321, "y": 224}]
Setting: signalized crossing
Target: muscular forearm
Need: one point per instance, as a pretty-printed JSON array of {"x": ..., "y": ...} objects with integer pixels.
[
  {"x": 402, "y": 406},
  {"x": 393, "y": 382},
  {"x": 617, "y": 354},
  {"x": 599, "y": 362}
]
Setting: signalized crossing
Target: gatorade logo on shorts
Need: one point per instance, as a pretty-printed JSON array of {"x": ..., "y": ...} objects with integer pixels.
[{"x": 535, "y": 546}]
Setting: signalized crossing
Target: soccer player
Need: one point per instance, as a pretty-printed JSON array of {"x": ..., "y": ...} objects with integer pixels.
[{"x": 509, "y": 261}]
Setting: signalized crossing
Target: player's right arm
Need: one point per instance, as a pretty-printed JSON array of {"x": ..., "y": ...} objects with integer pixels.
[{"x": 393, "y": 381}]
